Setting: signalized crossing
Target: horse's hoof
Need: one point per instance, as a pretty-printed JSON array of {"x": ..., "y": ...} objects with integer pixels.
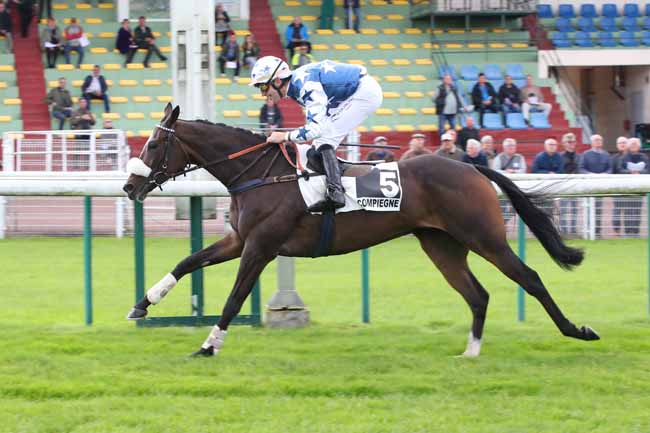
[
  {"x": 136, "y": 314},
  {"x": 588, "y": 334},
  {"x": 203, "y": 352}
]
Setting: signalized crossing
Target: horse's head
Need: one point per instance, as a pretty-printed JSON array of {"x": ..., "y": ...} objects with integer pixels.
[{"x": 161, "y": 157}]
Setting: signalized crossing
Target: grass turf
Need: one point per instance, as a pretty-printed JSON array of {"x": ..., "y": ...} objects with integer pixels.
[{"x": 398, "y": 374}]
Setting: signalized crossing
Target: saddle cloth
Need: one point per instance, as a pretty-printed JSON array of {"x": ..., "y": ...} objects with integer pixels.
[{"x": 378, "y": 190}]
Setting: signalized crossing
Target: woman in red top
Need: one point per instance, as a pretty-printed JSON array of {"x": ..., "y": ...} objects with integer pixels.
[{"x": 74, "y": 37}]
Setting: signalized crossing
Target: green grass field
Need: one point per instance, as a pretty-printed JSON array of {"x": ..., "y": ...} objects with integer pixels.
[{"x": 397, "y": 374}]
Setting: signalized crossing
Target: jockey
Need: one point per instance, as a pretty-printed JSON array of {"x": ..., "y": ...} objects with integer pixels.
[{"x": 338, "y": 97}]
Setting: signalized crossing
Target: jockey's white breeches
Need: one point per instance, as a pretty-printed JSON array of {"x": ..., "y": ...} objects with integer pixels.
[{"x": 351, "y": 113}]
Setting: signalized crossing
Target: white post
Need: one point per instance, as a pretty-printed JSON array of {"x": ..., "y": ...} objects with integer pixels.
[
  {"x": 592, "y": 218},
  {"x": 92, "y": 149},
  {"x": 18, "y": 154},
  {"x": 8, "y": 154},
  {"x": 354, "y": 152},
  {"x": 119, "y": 217},
  {"x": 121, "y": 152},
  {"x": 48, "y": 152},
  {"x": 3, "y": 217},
  {"x": 122, "y": 9},
  {"x": 64, "y": 153}
]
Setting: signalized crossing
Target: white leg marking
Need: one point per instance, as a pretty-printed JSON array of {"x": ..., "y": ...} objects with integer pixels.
[
  {"x": 161, "y": 288},
  {"x": 215, "y": 339},
  {"x": 473, "y": 346}
]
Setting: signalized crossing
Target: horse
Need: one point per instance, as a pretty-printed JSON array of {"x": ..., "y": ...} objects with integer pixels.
[{"x": 450, "y": 207}]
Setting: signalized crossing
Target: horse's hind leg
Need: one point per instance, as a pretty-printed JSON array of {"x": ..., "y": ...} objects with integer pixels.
[{"x": 450, "y": 256}]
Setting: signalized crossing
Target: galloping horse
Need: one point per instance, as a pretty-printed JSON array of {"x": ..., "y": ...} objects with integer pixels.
[{"x": 450, "y": 207}]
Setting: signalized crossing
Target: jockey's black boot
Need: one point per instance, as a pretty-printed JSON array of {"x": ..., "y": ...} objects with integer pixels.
[{"x": 334, "y": 196}]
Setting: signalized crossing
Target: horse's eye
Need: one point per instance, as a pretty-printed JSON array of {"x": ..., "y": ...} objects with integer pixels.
[{"x": 153, "y": 145}]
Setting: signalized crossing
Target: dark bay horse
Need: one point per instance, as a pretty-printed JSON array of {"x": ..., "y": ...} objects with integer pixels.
[{"x": 450, "y": 207}]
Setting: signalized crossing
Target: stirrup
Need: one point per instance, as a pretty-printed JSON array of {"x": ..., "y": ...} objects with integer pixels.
[{"x": 325, "y": 205}]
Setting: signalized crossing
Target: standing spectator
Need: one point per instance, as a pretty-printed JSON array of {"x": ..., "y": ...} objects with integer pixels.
[
  {"x": 26, "y": 12},
  {"x": 381, "y": 154},
  {"x": 94, "y": 87},
  {"x": 43, "y": 6},
  {"x": 352, "y": 7},
  {"x": 270, "y": 115},
  {"x": 250, "y": 51},
  {"x": 52, "y": 40},
  {"x": 73, "y": 34},
  {"x": 487, "y": 148},
  {"x": 474, "y": 155},
  {"x": 144, "y": 39},
  {"x": 509, "y": 161},
  {"x": 6, "y": 26},
  {"x": 416, "y": 148},
  {"x": 448, "y": 103},
  {"x": 621, "y": 151},
  {"x": 533, "y": 100},
  {"x": 548, "y": 161},
  {"x": 221, "y": 25},
  {"x": 302, "y": 57},
  {"x": 596, "y": 160},
  {"x": 229, "y": 54},
  {"x": 569, "y": 206},
  {"x": 484, "y": 98},
  {"x": 448, "y": 149},
  {"x": 60, "y": 102},
  {"x": 82, "y": 118},
  {"x": 510, "y": 96},
  {"x": 633, "y": 162},
  {"x": 125, "y": 42},
  {"x": 468, "y": 131},
  {"x": 296, "y": 34}
]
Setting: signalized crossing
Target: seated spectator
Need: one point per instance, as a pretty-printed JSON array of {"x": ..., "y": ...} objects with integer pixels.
[
  {"x": 352, "y": 8},
  {"x": 569, "y": 206},
  {"x": 381, "y": 154},
  {"x": 420, "y": 138},
  {"x": 596, "y": 159},
  {"x": 221, "y": 25},
  {"x": 270, "y": 115},
  {"x": 448, "y": 103},
  {"x": 510, "y": 96},
  {"x": 484, "y": 97},
  {"x": 548, "y": 161},
  {"x": 533, "y": 100},
  {"x": 448, "y": 149},
  {"x": 6, "y": 26},
  {"x": 144, "y": 39},
  {"x": 416, "y": 148},
  {"x": 474, "y": 155},
  {"x": 60, "y": 102},
  {"x": 250, "y": 51},
  {"x": 468, "y": 131},
  {"x": 94, "y": 87},
  {"x": 52, "y": 41},
  {"x": 295, "y": 35},
  {"x": 569, "y": 155},
  {"x": 509, "y": 161},
  {"x": 82, "y": 118},
  {"x": 229, "y": 55},
  {"x": 125, "y": 42},
  {"x": 302, "y": 57},
  {"x": 634, "y": 162},
  {"x": 74, "y": 41},
  {"x": 487, "y": 149},
  {"x": 621, "y": 151}
]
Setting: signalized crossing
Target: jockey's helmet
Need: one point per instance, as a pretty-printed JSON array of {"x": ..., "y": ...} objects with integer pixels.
[{"x": 267, "y": 68}]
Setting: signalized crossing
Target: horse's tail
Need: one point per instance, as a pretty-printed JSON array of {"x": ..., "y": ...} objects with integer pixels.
[{"x": 539, "y": 222}]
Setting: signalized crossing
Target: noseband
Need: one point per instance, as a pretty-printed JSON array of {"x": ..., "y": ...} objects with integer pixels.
[{"x": 160, "y": 177}]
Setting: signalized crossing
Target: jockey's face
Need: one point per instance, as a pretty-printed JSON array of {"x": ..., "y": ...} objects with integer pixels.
[{"x": 272, "y": 93}]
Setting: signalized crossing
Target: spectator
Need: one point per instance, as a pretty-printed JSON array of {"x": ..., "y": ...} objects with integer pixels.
[
  {"x": 125, "y": 42},
  {"x": 596, "y": 160},
  {"x": 144, "y": 39},
  {"x": 509, "y": 161},
  {"x": 352, "y": 7},
  {"x": 548, "y": 161},
  {"x": 44, "y": 5},
  {"x": 469, "y": 131},
  {"x": 420, "y": 139},
  {"x": 94, "y": 87},
  {"x": 448, "y": 103},
  {"x": 381, "y": 154},
  {"x": 82, "y": 118},
  {"x": 229, "y": 55},
  {"x": 621, "y": 151},
  {"x": 633, "y": 162},
  {"x": 302, "y": 57},
  {"x": 569, "y": 206},
  {"x": 484, "y": 98},
  {"x": 474, "y": 155},
  {"x": 73, "y": 35},
  {"x": 60, "y": 102},
  {"x": 416, "y": 148},
  {"x": 52, "y": 42},
  {"x": 6, "y": 26},
  {"x": 510, "y": 96},
  {"x": 487, "y": 148},
  {"x": 26, "y": 12},
  {"x": 569, "y": 155},
  {"x": 270, "y": 115},
  {"x": 296, "y": 34},
  {"x": 533, "y": 100},
  {"x": 250, "y": 51},
  {"x": 221, "y": 25},
  {"x": 448, "y": 149}
]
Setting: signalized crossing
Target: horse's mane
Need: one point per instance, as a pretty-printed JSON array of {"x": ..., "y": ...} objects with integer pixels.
[{"x": 235, "y": 129}]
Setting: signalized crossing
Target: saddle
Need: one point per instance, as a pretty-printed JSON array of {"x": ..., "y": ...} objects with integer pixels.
[{"x": 348, "y": 168}]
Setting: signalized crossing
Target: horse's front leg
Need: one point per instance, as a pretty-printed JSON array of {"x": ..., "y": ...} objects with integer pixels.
[{"x": 228, "y": 248}]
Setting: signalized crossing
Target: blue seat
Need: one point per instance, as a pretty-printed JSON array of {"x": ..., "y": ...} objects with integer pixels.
[
  {"x": 497, "y": 84},
  {"x": 608, "y": 24},
  {"x": 561, "y": 40},
  {"x": 645, "y": 38},
  {"x": 630, "y": 25},
  {"x": 492, "y": 121},
  {"x": 539, "y": 121},
  {"x": 563, "y": 25},
  {"x": 606, "y": 39},
  {"x": 609, "y": 10},
  {"x": 646, "y": 23},
  {"x": 566, "y": 11},
  {"x": 520, "y": 83},
  {"x": 516, "y": 121},
  {"x": 515, "y": 71},
  {"x": 493, "y": 72},
  {"x": 469, "y": 72},
  {"x": 647, "y": 10},
  {"x": 583, "y": 39},
  {"x": 588, "y": 10},
  {"x": 544, "y": 11},
  {"x": 631, "y": 10},
  {"x": 447, "y": 69},
  {"x": 586, "y": 25},
  {"x": 628, "y": 39}
]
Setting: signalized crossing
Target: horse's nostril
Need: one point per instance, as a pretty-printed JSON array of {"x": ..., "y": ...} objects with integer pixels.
[{"x": 128, "y": 188}]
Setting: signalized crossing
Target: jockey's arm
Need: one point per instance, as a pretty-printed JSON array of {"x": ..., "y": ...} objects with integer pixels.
[{"x": 315, "y": 101}]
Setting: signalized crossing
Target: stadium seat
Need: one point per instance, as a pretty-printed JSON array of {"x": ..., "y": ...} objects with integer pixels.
[
  {"x": 609, "y": 10},
  {"x": 515, "y": 71},
  {"x": 645, "y": 38},
  {"x": 539, "y": 121},
  {"x": 497, "y": 84},
  {"x": 631, "y": 10},
  {"x": 563, "y": 25},
  {"x": 583, "y": 39},
  {"x": 646, "y": 23},
  {"x": 492, "y": 121},
  {"x": 515, "y": 121},
  {"x": 566, "y": 11},
  {"x": 628, "y": 39},
  {"x": 606, "y": 39},
  {"x": 469, "y": 72},
  {"x": 561, "y": 40},
  {"x": 447, "y": 69},
  {"x": 588, "y": 10},
  {"x": 630, "y": 25},
  {"x": 544, "y": 11},
  {"x": 586, "y": 24},
  {"x": 647, "y": 10},
  {"x": 428, "y": 110},
  {"x": 493, "y": 72},
  {"x": 608, "y": 24}
]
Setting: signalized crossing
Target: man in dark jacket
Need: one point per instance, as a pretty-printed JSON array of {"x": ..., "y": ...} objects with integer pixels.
[
  {"x": 6, "y": 26},
  {"x": 510, "y": 96},
  {"x": 26, "y": 12},
  {"x": 270, "y": 115},
  {"x": 448, "y": 103},
  {"x": 94, "y": 87},
  {"x": 352, "y": 7},
  {"x": 569, "y": 205},
  {"x": 60, "y": 102},
  {"x": 229, "y": 54},
  {"x": 145, "y": 39},
  {"x": 633, "y": 162},
  {"x": 484, "y": 98},
  {"x": 381, "y": 154},
  {"x": 469, "y": 131},
  {"x": 549, "y": 161},
  {"x": 596, "y": 160},
  {"x": 621, "y": 148}
]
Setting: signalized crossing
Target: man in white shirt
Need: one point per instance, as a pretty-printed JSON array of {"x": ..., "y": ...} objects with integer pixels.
[
  {"x": 533, "y": 100},
  {"x": 94, "y": 87}
]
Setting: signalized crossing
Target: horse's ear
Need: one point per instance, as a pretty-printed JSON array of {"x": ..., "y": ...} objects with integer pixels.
[
  {"x": 174, "y": 116},
  {"x": 168, "y": 109}
]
